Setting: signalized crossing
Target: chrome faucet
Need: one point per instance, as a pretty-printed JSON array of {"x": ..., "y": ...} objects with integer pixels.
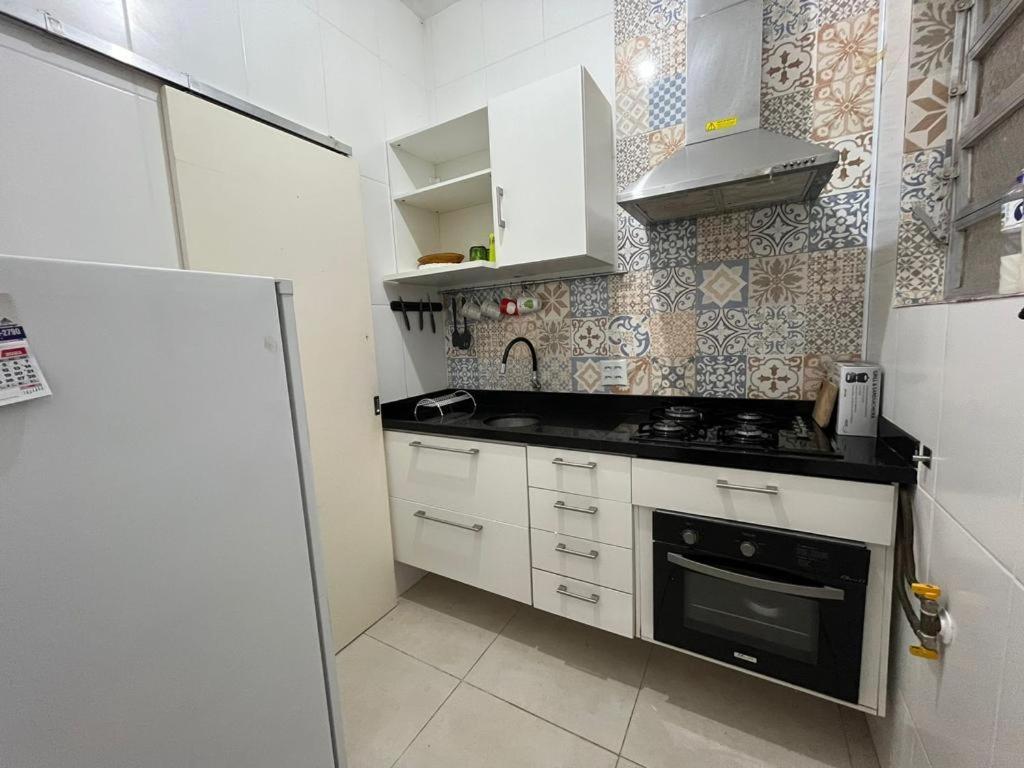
[{"x": 535, "y": 382}]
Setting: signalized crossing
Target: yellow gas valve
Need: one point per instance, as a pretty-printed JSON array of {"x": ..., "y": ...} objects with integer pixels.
[
  {"x": 926, "y": 591},
  {"x": 924, "y": 653}
]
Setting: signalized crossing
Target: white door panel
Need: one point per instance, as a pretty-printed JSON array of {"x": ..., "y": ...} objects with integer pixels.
[{"x": 254, "y": 200}]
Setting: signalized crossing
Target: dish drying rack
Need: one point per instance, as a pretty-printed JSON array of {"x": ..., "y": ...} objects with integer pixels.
[{"x": 445, "y": 404}]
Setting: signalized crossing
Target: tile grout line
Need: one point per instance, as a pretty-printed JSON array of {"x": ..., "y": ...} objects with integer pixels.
[
  {"x": 494, "y": 639},
  {"x": 541, "y": 718},
  {"x": 414, "y": 658},
  {"x": 424, "y": 726},
  {"x": 451, "y": 693},
  {"x": 643, "y": 679}
]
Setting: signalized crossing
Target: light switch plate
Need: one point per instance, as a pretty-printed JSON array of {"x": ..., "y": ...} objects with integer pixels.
[{"x": 613, "y": 373}]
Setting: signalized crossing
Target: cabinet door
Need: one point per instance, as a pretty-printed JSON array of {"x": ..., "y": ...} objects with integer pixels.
[{"x": 537, "y": 168}]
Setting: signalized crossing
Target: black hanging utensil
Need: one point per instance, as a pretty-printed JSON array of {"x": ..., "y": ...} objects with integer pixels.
[
  {"x": 430, "y": 308},
  {"x": 465, "y": 325},
  {"x": 460, "y": 339},
  {"x": 405, "y": 315}
]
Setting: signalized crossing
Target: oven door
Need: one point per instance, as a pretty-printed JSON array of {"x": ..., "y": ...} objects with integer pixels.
[{"x": 764, "y": 619}]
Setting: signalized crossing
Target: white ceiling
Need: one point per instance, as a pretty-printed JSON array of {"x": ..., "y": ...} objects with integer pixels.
[{"x": 426, "y": 8}]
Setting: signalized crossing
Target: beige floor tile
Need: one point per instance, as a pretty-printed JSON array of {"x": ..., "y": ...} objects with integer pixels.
[
  {"x": 624, "y": 763},
  {"x": 386, "y": 698},
  {"x": 575, "y": 676},
  {"x": 474, "y": 728},
  {"x": 858, "y": 739},
  {"x": 694, "y": 713},
  {"x": 444, "y": 623}
]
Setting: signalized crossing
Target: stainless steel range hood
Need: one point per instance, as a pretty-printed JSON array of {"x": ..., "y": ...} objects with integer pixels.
[{"x": 729, "y": 162}]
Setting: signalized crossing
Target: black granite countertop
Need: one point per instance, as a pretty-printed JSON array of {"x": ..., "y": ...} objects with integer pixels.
[{"x": 608, "y": 423}]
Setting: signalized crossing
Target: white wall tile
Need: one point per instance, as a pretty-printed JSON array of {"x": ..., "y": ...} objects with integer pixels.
[
  {"x": 102, "y": 18},
  {"x": 202, "y": 39},
  {"x": 401, "y": 40},
  {"x": 406, "y": 103},
  {"x": 1009, "y": 741},
  {"x": 356, "y": 18},
  {"x": 953, "y": 702},
  {"x": 355, "y": 100},
  {"x": 456, "y": 37},
  {"x": 426, "y": 367},
  {"x": 593, "y": 46},
  {"x": 95, "y": 186},
  {"x": 511, "y": 26},
  {"x": 562, "y": 15},
  {"x": 980, "y": 450},
  {"x": 380, "y": 244},
  {"x": 283, "y": 61},
  {"x": 517, "y": 70},
  {"x": 457, "y": 98},
  {"x": 887, "y": 356},
  {"x": 917, "y": 372},
  {"x": 388, "y": 346}
]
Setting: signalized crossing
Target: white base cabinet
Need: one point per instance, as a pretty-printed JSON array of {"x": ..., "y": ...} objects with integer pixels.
[{"x": 556, "y": 528}]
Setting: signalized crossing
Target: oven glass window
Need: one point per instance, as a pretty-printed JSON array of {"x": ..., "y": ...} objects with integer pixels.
[{"x": 777, "y": 623}]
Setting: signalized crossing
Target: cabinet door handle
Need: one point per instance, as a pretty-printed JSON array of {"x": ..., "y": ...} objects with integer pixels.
[
  {"x": 584, "y": 510},
  {"x": 579, "y": 464},
  {"x": 771, "y": 490},
  {"x": 475, "y": 527},
  {"x": 564, "y": 591},
  {"x": 467, "y": 451},
  {"x": 591, "y": 555},
  {"x": 500, "y": 192}
]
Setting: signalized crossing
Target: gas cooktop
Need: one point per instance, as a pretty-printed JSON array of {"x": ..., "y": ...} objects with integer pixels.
[{"x": 732, "y": 429}]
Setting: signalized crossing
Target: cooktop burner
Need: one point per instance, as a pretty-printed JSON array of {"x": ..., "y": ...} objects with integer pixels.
[
  {"x": 681, "y": 413},
  {"x": 721, "y": 428}
]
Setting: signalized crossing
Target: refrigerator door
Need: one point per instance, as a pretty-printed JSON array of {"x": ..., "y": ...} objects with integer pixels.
[{"x": 157, "y": 606}]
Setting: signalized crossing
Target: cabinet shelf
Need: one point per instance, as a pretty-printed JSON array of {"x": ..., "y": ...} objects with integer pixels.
[
  {"x": 452, "y": 275},
  {"x": 447, "y": 141},
  {"x": 453, "y": 194}
]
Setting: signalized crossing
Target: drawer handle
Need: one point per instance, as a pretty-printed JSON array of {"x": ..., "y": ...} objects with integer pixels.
[
  {"x": 771, "y": 490},
  {"x": 591, "y": 555},
  {"x": 584, "y": 510},
  {"x": 475, "y": 527},
  {"x": 467, "y": 451},
  {"x": 578, "y": 464},
  {"x": 564, "y": 591}
]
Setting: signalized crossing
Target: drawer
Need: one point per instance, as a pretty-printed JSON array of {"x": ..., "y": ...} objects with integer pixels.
[
  {"x": 610, "y": 522},
  {"x": 483, "y": 553},
  {"x": 471, "y": 476},
  {"x": 599, "y": 607},
  {"x": 588, "y": 474},
  {"x": 841, "y": 508},
  {"x": 602, "y": 564}
]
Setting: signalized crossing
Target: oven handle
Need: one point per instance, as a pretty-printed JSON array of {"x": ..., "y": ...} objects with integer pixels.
[{"x": 798, "y": 590}]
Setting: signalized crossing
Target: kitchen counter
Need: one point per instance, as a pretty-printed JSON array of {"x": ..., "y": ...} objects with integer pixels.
[{"x": 609, "y": 424}]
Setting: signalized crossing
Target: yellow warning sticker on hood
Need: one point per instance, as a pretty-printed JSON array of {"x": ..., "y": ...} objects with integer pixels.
[{"x": 718, "y": 125}]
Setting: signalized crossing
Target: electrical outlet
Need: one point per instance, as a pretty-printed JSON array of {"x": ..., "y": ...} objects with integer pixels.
[{"x": 613, "y": 373}]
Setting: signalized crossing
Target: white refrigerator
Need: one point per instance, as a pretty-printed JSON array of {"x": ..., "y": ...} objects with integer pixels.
[{"x": 161, "y": 599}]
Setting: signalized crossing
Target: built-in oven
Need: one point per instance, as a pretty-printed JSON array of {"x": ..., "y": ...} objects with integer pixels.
[{"x": 784, "y": 604}]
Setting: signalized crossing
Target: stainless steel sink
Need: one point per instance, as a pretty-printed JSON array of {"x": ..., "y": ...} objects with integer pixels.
[{"x": 513, "y": 420}]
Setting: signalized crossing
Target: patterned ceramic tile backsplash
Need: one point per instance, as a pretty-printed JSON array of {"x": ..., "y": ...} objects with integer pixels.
[
  {"x": 749, "y": 304},
  {"x": 920, "y": 258}
]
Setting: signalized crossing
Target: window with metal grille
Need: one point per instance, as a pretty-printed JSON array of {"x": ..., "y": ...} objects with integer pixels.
[{"x": 987, "y": 145}]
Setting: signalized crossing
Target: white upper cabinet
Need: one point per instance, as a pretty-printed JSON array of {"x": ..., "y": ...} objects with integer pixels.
[
  {"x": 552, "y": 169},
  {"x": 535, "y": 167}
]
